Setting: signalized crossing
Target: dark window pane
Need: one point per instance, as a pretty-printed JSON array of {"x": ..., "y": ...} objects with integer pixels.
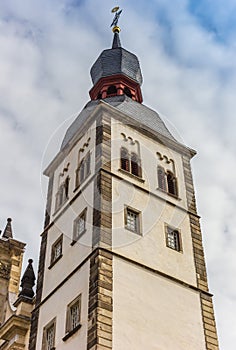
[
  {"x": 134, "y": 164},
  {"x": 172, "y": 184},
  {"x": 161, "y": 178},
  {"x": 111, "y": 91},
  {"x": 125, "y": 159}
]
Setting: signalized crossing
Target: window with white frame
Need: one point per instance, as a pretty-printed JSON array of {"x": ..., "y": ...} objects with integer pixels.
[
  {"x": 73, "y": 317},
  {"x": 173, "y": 238},
  {"x": 132, "y": 220},
  {"x": 56, "y": 252},
  {"x": 79, "y": 225},
  {"x": 49, "y": 336}
]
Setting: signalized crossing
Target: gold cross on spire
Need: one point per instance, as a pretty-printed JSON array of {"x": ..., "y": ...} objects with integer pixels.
[{"x": 115, "y": 21}]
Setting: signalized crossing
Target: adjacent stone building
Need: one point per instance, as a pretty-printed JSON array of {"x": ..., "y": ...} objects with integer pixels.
[{"x": 15, "y": 306}]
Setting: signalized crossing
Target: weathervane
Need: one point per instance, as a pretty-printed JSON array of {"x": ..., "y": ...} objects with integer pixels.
[{"x": 114, "y": 24}]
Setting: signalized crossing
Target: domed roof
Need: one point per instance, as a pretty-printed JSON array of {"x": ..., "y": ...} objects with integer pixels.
[{"x": 116, "y": 61}]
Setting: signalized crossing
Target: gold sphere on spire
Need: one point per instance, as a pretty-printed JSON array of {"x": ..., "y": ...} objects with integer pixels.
[{"x": 116, "y": 29}]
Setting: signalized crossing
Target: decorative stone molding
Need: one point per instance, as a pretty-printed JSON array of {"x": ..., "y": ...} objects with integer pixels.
[
  {"x": 100, "y": 280},
  {"x": 199, "y": 259},
  {"x": 102, "y": 216},
  {"x": 100, "y": 301},
  {"x": 5, "y": 270}
]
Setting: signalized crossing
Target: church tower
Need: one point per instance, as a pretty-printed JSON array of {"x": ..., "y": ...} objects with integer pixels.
[{"x": 121, "y": 262}]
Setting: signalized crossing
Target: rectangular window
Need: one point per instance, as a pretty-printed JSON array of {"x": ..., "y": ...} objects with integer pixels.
[
  {"x": 80, "y": 225},
  {"x": 173, "y": 238},
  {"x": 49, "y": 336},
  {"x": 132, "y": 220},
  {"x": 56, "y": 252},
  {"x": 73, "y": 315}
]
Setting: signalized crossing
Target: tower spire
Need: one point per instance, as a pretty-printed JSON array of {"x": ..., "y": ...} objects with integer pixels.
[
  {"x": 7, "y": 233},
  {"x": 116, "y": 41},
  {"x": 28, "y": 281}
]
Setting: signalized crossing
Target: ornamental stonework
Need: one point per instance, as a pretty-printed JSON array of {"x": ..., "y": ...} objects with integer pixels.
[{"x": 5, "y": 270}]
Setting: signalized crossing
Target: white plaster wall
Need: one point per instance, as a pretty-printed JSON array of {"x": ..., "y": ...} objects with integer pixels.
[
  {"x": 56, "y": 307},
  {"x": 150, "y": 248},
  {"x": 150, "y": 312},
  {"x": 149, "y": 161},
  {"x": 72, "y": 255}
]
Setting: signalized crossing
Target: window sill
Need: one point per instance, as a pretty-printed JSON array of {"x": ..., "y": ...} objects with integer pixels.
[
  {"x": 131, "y": 175},
  {"x": 169, "y": 194},
  {"x": 76, "y": 240},
  {"x": 175, "y": 250},
  {"x": 55, "y": 261},
  {"x": 135, "y": 232},
  {"x": 69, "y": 334},
  {"x": 59, "y": 208},
  {"x": 81, "y": 183}
]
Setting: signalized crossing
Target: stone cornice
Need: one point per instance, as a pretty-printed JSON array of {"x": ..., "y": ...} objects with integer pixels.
[{"x": 16, "y": 324}]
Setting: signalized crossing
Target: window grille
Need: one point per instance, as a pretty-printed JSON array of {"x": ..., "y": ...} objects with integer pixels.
[
  {"x": 80, "y": 225},
  {"x": 50, "y": 337},
  {"x": 73, "y": 317},
  {"x": 56, "y": 250},
  {"x": 173, "y": 239},
  {"x": 132, "y": 220}
]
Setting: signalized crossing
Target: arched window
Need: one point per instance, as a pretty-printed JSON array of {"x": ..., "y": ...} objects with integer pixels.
[
  {"x": 99, "y": 96},
  {"x": 83, "y": 169},
  {"x": 161, "y": 178},
  {"x": 172, "y": 184},
  {"x": 127, "y": 92},
  {"x": 62, "y": 193},
  {"x": 124, "y": 159},
  {"x": 135, "y": 164},
  {"x": 111, "y": 91},
  {"x": 66, "y": 186}
]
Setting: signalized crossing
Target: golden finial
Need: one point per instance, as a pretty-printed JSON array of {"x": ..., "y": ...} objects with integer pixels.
[
  {"x": 116, "y": 29},
  {"x": 117, "y": 12}
]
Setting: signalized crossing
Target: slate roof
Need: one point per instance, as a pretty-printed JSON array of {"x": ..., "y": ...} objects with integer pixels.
[
  {"x": 116, "y": 61},
  {"x": 140, "y": 114}
]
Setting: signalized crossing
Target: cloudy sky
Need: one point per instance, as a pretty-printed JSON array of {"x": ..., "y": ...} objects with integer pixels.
[{"x": 187, "y": 51}]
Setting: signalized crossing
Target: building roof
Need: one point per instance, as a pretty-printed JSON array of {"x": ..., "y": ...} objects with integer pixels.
[
  {"x": 115, "y": 61},
  {"x": 141, "y": 114}
]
